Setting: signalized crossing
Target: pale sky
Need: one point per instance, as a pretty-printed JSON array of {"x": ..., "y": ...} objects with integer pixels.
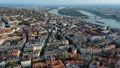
[{"x": 60, "y": 2}]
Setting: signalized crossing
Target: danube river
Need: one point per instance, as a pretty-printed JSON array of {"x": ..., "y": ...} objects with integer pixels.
[{"x": 107, "y": 22}]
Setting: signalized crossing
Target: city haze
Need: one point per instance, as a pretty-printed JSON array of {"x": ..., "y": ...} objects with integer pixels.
[{"x": 59, "y": 2}]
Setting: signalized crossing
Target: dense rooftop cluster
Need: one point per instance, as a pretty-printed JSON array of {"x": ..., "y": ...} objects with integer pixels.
[{"x": 52, "y": 41}]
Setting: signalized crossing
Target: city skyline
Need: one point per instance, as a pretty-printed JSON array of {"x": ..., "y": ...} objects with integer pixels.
[{"x": 59, "y": 2}]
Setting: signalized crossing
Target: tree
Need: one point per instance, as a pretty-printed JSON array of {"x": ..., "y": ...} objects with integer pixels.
[{"x": 58, "y": 37}]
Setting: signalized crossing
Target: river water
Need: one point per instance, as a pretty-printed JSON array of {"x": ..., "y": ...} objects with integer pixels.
[{"x": 107, "y": 22}]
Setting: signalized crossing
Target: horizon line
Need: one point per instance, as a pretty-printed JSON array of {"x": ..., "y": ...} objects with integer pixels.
[{"x": 49, "y": 4}]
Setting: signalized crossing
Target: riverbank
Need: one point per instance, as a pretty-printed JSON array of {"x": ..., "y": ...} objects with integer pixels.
[{"x": 107, "y": 22}]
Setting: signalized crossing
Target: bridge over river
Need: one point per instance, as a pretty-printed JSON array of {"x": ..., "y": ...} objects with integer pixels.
[{"x": 90, "y": 17}]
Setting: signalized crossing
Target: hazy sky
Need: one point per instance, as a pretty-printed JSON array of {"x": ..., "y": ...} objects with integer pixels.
[{"x": 58, "y": 2}]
